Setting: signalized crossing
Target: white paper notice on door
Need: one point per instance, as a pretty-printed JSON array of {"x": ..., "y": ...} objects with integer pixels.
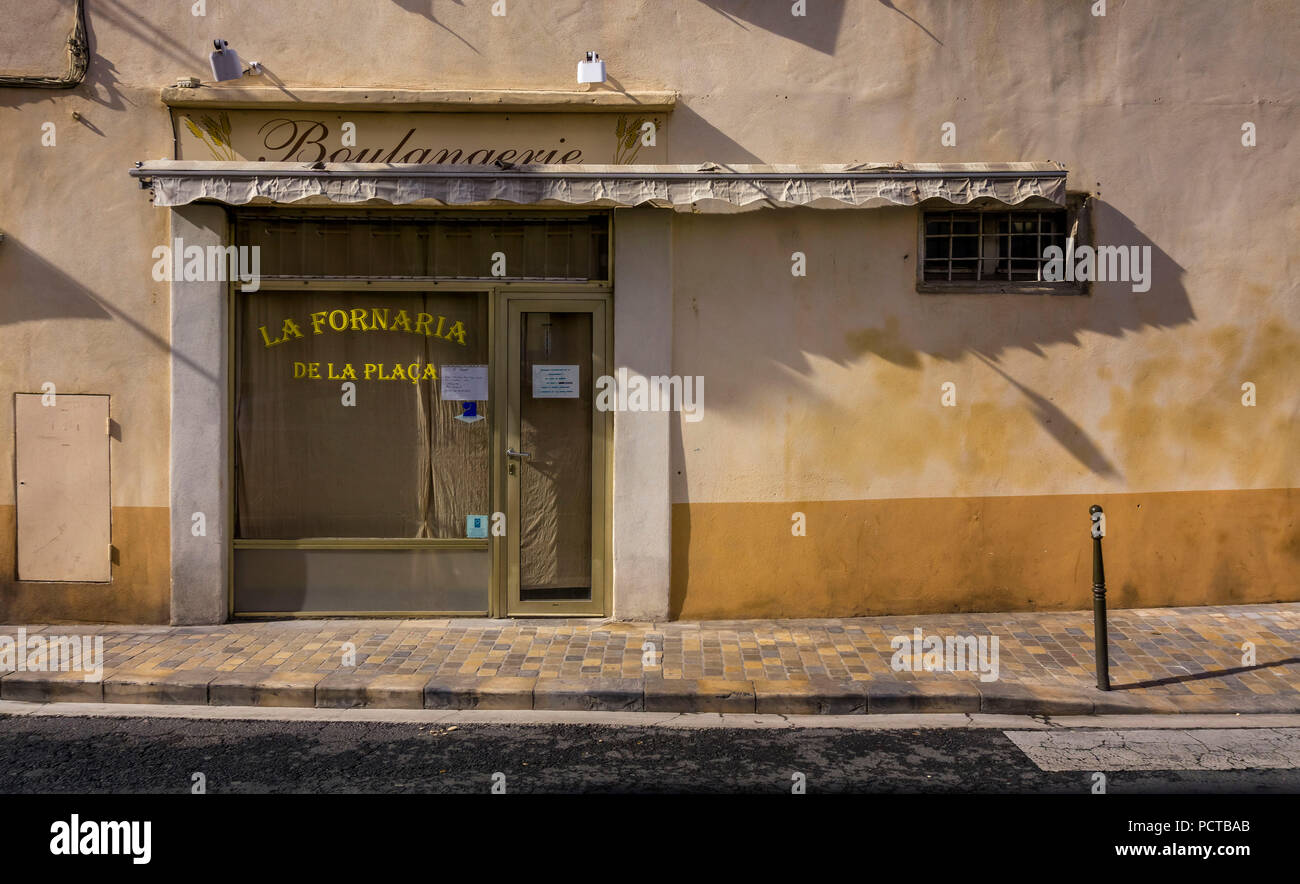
[
  {"x": 464, "y": 383},
  {"x": 555, "y": 382}
]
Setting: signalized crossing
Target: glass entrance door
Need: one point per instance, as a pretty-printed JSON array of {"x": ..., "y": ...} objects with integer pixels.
[{"x": 555, "y": 458}]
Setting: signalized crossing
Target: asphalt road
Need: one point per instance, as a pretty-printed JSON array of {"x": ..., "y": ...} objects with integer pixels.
[{"x": 45, "y": 754}]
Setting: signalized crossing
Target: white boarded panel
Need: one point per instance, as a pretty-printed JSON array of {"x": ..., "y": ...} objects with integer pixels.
[{"x": 63, "y": 492}]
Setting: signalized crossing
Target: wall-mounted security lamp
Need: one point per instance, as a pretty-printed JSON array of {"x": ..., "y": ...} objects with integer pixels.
[
  {"x": 226, "y": 64},
  {"x": 592, "y": 70}
]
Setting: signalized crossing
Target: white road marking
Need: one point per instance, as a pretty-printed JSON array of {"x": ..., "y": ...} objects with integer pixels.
[{"x": 1202, "y": 749}]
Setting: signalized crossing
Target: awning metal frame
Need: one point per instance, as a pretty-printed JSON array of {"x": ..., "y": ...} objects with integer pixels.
[{"x": 706, "y": 187}]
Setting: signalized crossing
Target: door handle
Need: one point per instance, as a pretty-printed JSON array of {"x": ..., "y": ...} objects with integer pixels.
[{"x": 512, "y": 453}]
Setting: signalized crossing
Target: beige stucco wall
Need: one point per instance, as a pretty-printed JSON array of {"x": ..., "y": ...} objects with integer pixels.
[
  {"x": 835, "y": 412},
  {"x": 824, "y": 389}
]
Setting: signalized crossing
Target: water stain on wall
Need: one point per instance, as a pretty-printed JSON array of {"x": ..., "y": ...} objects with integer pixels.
[{"x": 1182, "y": 413}]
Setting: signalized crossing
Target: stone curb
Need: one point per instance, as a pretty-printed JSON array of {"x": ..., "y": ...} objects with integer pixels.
[
  {"x": 698, "y": 695},
  {"x": 922, "y": 696},
  {"x": 816, "y": 697},
  {"x": 1016, "y": 698},
  {"x": 475, "y": 692},
  {"x": 185, "y": 687},
  {"x": 264, "y": 689},
  {"x": 590, "y": 695},
  {"x": 349, "y": 690},
  {"x": 653, "y": 693},
  {"x": 50, "y": 687}
]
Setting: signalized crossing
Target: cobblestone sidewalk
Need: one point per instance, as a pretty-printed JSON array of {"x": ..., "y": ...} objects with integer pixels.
[{"x": 1162, "y": 660}]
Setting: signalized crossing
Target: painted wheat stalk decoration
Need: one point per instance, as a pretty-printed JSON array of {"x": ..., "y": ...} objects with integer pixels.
[{"x": 215, "y": 133}]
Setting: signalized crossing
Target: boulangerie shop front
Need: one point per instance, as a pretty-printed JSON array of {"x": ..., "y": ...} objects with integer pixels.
[
  {"x": 363, "y": 414},
  {"x": 408, "y": 422},
  {"x": 389, "y": 405}
]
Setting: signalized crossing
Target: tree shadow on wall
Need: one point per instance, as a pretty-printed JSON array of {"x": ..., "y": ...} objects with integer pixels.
[
  {"x": 928, "y": 32},
  {"x": 708, "y": 142},
  {"x": 952, "y": 327},
  {"x": 425, "y": 8},
  {"x": 1111, "y": 308},
  {"x": 101, "y": 84},
  {"x": 1060, "y": 427},
  {"x": 141, "y": 27},
  {"x": 889, "y": 321},
  {"x": 34, "y": 290},
  {"x": 819, "y": 29}
]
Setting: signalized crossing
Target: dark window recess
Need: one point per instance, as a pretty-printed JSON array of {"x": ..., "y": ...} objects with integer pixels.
[
  {"x": 445, "y": 246},
  {"x": 990, "y": 246}
]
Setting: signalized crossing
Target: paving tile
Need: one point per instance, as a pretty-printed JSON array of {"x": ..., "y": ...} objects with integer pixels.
[{"x": 1168, "y": 660}]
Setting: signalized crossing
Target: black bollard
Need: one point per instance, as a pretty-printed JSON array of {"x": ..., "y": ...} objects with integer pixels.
[{"x": 1099, "y": 601}]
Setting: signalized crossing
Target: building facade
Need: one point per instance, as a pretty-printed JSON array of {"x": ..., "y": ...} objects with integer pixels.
[{"x": 807, "y": 309}]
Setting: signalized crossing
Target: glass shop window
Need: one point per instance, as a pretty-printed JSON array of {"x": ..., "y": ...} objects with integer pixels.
[{"x": 404, "y": 454}]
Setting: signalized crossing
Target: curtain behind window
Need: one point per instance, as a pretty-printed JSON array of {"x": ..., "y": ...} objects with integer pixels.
[{"x": 397, "y": 464}]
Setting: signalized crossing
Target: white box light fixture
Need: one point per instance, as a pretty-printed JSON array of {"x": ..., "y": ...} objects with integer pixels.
[{"x": 591, "y": 70}]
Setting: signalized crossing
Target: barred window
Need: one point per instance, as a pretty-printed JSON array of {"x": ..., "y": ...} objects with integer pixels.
[{"x": 990, "y": 245}]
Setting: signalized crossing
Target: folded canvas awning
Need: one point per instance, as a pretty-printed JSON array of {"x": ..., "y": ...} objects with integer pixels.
[{"x": 704, "y": 188}]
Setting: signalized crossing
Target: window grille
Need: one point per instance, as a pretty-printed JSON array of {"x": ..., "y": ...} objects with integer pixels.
[{"x": 990, "y": 245}]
